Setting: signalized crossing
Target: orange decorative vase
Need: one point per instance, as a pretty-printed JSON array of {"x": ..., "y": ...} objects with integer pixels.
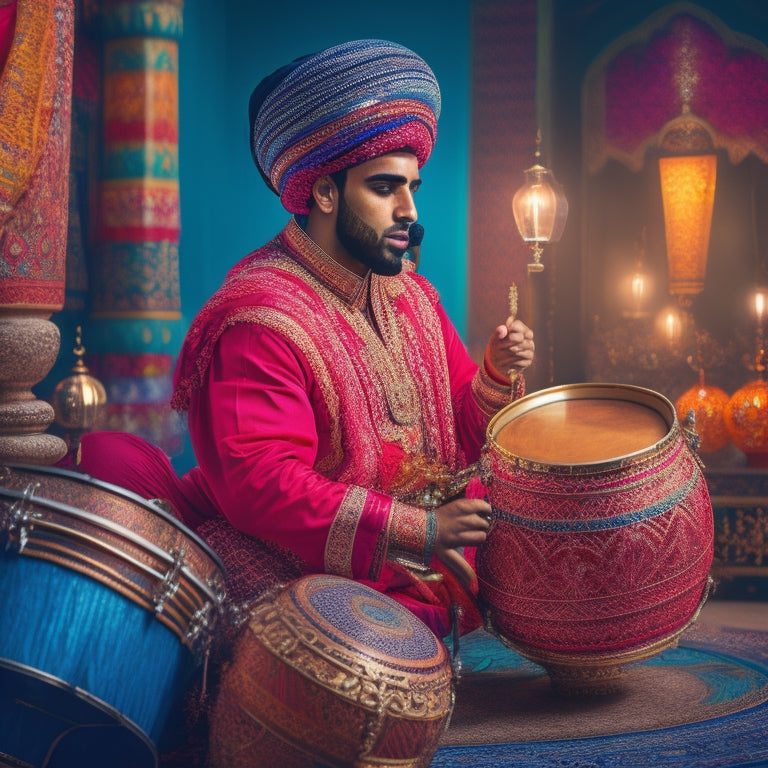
[
  {"x": 708, "y": 405},
  {"x": 746, "y": 418}
]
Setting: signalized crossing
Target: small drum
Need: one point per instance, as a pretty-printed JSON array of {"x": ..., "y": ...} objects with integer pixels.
[
  {"x": 602, "y": 536},
  {"x": 329, "y": 670},
  {"x": 108, "y": 604}
]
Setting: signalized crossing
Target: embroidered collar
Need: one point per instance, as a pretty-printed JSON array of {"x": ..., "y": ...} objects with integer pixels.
[{"x": 348, "y": 286}]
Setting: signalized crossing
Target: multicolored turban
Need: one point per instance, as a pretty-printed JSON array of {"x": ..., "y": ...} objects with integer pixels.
[{"x": 338, "y": 108}]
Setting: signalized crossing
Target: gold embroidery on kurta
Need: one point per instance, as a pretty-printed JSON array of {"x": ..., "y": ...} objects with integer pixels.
[{"x": 341, "y": 537}]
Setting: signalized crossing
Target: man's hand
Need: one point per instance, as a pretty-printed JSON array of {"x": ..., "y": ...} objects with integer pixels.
[
  {"x": 511, "y": 347},
  {"x": 461, "y": 523}
]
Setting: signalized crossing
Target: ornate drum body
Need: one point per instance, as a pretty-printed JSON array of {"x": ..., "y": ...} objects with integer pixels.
[
  {"x": 602, "y": 536},
  {"x": 329, "y": 670},
  {"x": 107, "y": 603}
]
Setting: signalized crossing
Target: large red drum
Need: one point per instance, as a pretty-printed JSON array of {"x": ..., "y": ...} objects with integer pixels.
[
  {"x": 602, "y": 536},
  {"x": 330, "y": 671}
]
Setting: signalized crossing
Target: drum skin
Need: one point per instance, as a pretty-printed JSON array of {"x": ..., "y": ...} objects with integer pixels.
[
  {"x": 589, "y": 566},
  {"x": 108, "y": 604},
  {"x": 329, "y": 670}
]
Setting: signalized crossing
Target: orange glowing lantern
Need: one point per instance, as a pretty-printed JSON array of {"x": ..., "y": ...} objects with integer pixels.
[
  {"x": 708, "y": 405},
  {"x": 746, "y": 418},
  {"x": 688, "y": 173}
]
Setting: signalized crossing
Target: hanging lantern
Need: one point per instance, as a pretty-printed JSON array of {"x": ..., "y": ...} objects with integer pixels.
[
  {"x": 688, "y": 174},
  {"x": 540, "y": 208}
]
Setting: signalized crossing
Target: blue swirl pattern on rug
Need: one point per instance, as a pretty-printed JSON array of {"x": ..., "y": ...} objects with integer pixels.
[{"x": 733, "y": 667}]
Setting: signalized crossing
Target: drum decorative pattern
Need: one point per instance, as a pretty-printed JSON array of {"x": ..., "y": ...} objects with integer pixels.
[
  {"x": 329, "y": 669},
  {"x": 595, "y": 561}
]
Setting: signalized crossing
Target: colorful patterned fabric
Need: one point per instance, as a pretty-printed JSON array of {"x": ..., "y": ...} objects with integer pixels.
[
  {"x": 35, "y": 117},
  {"x": 338, "y": 108},
  {"x": 27, "y": 91},
  {"x": 677, "y": 62}
]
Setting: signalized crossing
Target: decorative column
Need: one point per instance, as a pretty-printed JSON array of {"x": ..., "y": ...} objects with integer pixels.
[
  {"x": 136, "y": 327},
  {"x": 35, "y": 115}
]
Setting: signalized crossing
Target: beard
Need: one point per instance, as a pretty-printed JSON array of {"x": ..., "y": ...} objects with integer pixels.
[{"x": 364, "y": 245}]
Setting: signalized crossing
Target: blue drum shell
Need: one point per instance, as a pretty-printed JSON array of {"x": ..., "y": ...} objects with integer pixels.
[{"x": 103, "y": 594}]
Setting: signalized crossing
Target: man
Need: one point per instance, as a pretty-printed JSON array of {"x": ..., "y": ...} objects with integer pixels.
[
  {"x": 333, "y": 409},
  {"x": 335, "y": 414}
]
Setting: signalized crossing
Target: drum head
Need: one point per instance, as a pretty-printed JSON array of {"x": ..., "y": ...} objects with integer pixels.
[
  {"x": 583, "y": 424},
  {"x": 355, "y": 618}
]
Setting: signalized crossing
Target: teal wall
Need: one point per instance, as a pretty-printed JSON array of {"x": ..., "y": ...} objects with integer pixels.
[{"x": 227, "y": 46}]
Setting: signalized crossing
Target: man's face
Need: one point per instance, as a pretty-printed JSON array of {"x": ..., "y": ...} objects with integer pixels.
[{"x": 376, "y": 209}]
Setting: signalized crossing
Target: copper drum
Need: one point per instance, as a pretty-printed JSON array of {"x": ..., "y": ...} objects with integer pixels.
[
  {"x": 328, "y": 670},
  {"x": 602, "y": 535}
]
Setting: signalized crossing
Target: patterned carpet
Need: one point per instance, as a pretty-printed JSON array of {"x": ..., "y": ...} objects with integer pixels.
[{"x": 700, "y": 705}]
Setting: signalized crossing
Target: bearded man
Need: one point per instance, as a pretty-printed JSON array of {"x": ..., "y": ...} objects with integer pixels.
[{"x": 335, "y": 414}]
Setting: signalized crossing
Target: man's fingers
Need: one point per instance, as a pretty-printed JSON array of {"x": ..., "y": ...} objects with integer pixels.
[{"x": 459, "y": 567}]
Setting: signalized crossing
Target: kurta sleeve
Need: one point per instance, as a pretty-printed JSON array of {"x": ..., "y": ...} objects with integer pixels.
[{"x": 257, "y": 426}]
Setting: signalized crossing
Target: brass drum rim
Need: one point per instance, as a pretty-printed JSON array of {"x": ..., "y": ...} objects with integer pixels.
[
  {"x": 584, "y": 391},
  {"x": 184, "y": 590},
  {"x": 116, "y": 490}
]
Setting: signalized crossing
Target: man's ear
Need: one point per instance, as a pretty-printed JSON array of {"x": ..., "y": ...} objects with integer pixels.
[{"x": 325, "y": 194}]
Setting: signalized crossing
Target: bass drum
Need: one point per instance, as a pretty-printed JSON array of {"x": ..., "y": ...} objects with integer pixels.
[
  {"x": 108, "y": 606},
  {"x": 329, "y": 671},
  {"x": 602, "y": 535}
]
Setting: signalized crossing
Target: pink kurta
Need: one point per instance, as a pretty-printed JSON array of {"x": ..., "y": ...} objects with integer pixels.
[{"x": 321, "y": 405}]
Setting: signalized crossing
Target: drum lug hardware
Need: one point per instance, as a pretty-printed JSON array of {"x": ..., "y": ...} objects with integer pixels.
[
  {"x": 15, "y": 523},
  {"x": 170, "y": 583},
  {"x": 219, "y": 590},
  {"x": 197, "y": 632}
]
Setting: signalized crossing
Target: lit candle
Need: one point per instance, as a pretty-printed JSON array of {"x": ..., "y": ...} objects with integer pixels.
[
  {"x": 672, "y": 326},
  {"x": 638, "y": 288},
  {"x": 535, "y": 205},
  {"x": 759, "y": 305}
]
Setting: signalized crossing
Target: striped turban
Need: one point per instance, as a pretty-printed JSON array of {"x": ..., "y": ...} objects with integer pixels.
[{"x": 337, "y": 108}]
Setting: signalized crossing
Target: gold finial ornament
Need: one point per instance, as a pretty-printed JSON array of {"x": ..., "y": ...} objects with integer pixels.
[
  {"x": 512, "y": 373},
  {"x": 513, "y": 300},
  {"x": 79, "y": 401}
]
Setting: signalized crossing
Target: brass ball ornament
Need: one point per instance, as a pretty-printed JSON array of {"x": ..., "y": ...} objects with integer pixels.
[{"x": 79, "y": 401}]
